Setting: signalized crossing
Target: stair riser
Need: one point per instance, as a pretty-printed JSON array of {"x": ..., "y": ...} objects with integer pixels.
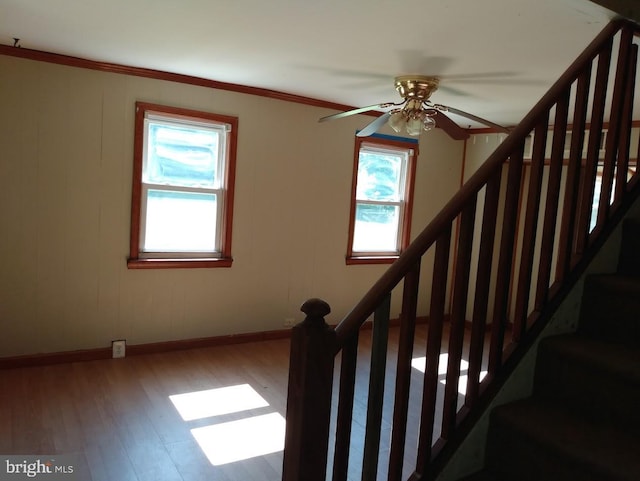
[
  {"x": 629, "y": 260},
  {"x": 609, "y": 313},
  {"x": 512, "y": 454},
  {"x": 597, "y": 393}
]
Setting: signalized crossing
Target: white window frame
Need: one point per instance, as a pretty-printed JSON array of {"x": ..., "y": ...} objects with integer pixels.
[{"x": 219, "y": 191}]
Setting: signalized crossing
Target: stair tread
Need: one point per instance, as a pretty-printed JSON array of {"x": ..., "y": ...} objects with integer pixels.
[
  {"x": 483, "y": 476},
  {"x": 601, "y": 447},
  {"x": 616, "y": 359},
  {"x": 617, "y": 281},
  {"x": 598, "y": 379}
]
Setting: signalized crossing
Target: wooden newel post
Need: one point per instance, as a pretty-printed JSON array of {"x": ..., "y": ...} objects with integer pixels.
[{"x": 313, "y": 349}]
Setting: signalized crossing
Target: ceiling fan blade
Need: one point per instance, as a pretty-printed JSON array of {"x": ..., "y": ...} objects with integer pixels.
[
  {"x": 475, "y": 118},
  {"x": 452, "y": 91},
  {"x": 452, "y": 129},
  {"x": 508, "y": 82},
  {"x": 373, "y": 127},
  {"x": 354, "y": 112}
]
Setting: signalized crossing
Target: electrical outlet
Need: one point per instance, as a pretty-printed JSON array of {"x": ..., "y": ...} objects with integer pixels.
[
  {"x": 118, "y": 348},
  {"x": 289, "y": 322}
]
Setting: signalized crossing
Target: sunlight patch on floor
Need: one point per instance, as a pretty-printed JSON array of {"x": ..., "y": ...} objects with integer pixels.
[
  {"x": 224, "y": 441},
  {"x": 420, "y": 364},
  {"x": 216, "y": 402},
  {"x": 243, "y": 439},
  {"x": 462, "y": 382}
]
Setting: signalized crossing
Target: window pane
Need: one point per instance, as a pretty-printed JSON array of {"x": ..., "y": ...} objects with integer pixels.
[
  {"x": 379, "y": 176},
  {"x": 185, "y": 156},
  {"x": 180, "y": 222},
  {"x": 376, "y": 228}
]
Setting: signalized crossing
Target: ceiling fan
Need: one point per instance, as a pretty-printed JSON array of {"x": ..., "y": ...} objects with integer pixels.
[{"x": 416, "y": 112}]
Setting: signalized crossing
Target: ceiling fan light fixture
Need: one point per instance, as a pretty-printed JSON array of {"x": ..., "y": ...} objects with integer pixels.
[
  {"x": 397, "y": 121},
  {"x": 412, "y": 119},
  {"x": 414, "y": 125},
  {"x": 428, "y": 123}
]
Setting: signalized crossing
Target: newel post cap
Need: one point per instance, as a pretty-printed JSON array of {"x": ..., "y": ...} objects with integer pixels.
[{"x": 315, "y": 308}]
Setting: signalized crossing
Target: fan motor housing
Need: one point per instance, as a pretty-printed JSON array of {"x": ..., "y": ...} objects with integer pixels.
[{"x": 419, "y": 87}]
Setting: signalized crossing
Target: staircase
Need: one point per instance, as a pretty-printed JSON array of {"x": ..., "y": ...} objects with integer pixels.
[
  {"x": 582, "y": 421},
  {"x": 489, "y": 272}
]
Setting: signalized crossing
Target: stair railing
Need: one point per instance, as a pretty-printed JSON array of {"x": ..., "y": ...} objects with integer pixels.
[{"x": 501, "y": 255}]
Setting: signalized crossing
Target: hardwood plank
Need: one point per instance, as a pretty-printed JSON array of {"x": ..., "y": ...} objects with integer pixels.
[
  {"x": 120, "y": 410},
  {"x": 191, "y": 462},
  {"x": 117, "y": 417}
]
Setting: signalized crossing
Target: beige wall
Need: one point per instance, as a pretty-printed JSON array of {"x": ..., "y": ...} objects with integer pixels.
[{"x": 66, "y": 140}]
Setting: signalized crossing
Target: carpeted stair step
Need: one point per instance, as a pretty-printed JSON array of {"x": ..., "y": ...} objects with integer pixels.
[
  {"x": 532, "y": 440},
  {"x": 601, "y": 380},
  {"x": 610, "y": 309},
  {"x": 583, "y": 421}
]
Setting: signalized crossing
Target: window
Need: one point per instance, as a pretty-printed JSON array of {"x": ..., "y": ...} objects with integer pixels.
[
  {"x": 381, "y": 197},
  {"x": 182, "y": 198}
]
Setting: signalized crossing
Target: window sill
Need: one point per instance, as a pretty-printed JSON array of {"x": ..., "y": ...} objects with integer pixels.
[
  {"x": 178, "y": 263},
  {"x": 371, "y": 260}
]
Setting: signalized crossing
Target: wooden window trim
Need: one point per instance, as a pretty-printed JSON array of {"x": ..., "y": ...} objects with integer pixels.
[
  {"x": 405, "y": 236},
  {"x": 225, "y": 259}
]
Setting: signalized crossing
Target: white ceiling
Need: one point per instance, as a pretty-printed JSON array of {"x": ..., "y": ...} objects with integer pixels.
[{"x": 496, "y": 57}]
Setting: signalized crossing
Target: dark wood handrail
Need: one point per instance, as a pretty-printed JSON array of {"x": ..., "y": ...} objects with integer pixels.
[{"x": 363, "y": 309}]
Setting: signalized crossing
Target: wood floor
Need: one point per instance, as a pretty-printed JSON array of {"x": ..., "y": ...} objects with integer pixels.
[
  {"x": 120, "y": 417},
  {"x": 116, "y": 415}
]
